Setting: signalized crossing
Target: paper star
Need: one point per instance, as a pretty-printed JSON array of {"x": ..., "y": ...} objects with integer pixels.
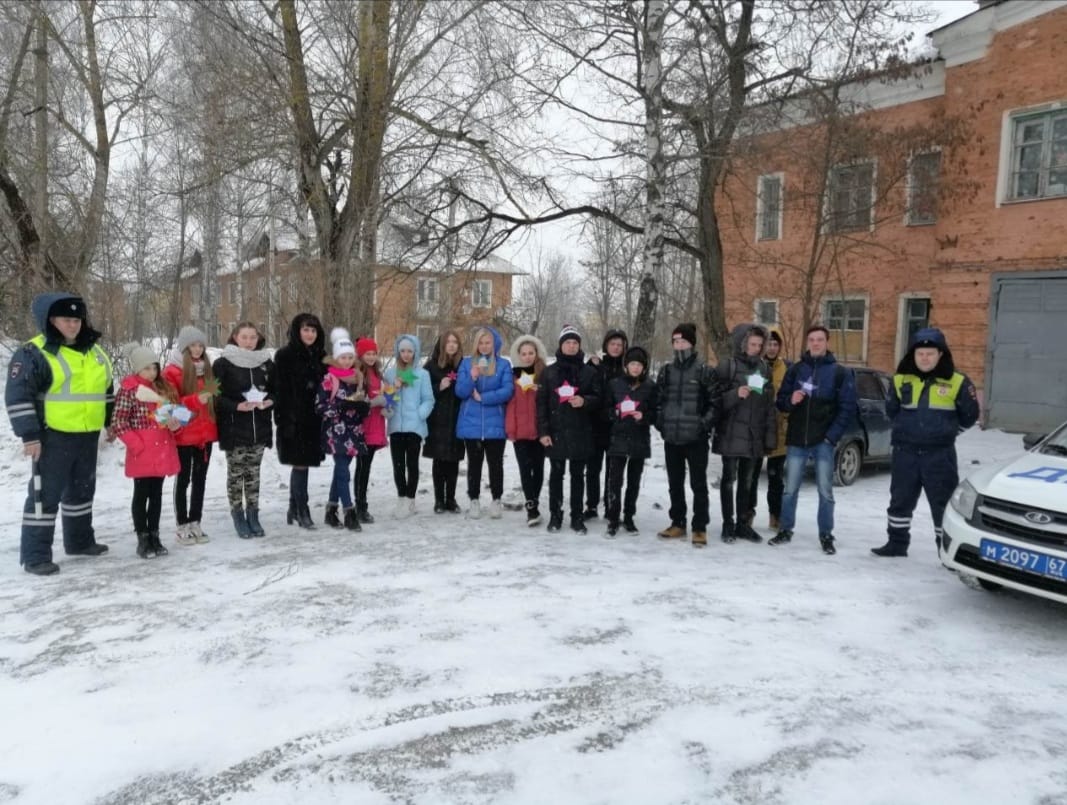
[
  {"x": 526, "y": 381},
  {"x": 566, "y": 391},
  {"x": 391, "y": 394},
  {"x": 407, "y": 376},
  {"x": 627, "y": 407}
]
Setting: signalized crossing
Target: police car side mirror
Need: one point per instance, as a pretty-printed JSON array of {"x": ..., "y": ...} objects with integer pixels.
[{"x": 1031, "y": 440}]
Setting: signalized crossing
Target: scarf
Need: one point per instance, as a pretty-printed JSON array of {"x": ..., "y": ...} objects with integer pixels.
[{"x": 245, "y": 358}]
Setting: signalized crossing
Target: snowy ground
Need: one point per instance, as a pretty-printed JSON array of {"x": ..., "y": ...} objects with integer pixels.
[{"x": 439, "y": 660}]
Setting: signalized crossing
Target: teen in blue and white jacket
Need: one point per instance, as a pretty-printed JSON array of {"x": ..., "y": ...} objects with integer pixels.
[{"x": 407, "y": 418}]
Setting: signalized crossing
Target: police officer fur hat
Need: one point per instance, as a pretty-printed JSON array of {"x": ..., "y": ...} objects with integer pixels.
[
  {"x": 139, "y": 357},
  {"x": 72, "y": 307}
]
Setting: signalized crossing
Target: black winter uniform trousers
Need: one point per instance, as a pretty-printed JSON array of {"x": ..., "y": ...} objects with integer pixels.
[
  {"x": 68, "y": 474},
  {"x": 617, "y": 468},
  {"x": 695, "y": 455},
  {"x": 920, "y": 469}
]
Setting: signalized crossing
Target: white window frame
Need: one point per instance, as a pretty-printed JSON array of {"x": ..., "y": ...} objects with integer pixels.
[
  {"x": 910, "y": 187},
  {"x": 426, "y": 333},
  {"x": 829, "y": 217},
  {"x": 901, "y": 345},
  {"x": 755, "y": 312},
  {"x": 849, "y": 297},
  {"x": 761, "y": 211},
  {"x": 487, "y": 293},
  {"x": 1005, "y": 172},
  {"x": 426, "y": 296}
]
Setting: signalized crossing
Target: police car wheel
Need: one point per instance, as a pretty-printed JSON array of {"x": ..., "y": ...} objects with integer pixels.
[{"x": 847, "y": 464}]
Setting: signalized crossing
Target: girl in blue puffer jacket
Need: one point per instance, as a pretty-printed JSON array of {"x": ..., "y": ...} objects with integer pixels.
[
  {"x": 407, "y": 419},
  {"x": 484, "y": 384}
]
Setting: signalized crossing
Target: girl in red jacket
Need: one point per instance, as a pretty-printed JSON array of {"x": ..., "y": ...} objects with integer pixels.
[
  {"x": 373, "y": 425},
  {"x": 188, "y": 371},
  {"x": 151, "y": 453},
  {"x": 520, "y": 421}
]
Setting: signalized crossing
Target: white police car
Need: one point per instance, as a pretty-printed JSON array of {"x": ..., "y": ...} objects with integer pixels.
[{"x": 1007, "y": 524}]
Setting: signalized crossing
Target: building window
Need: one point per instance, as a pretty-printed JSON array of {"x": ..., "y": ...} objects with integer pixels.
[
  {"x": 924, "y": 178},
  {"x": 426, "y": 335},
  {"x": 766, "y": 311},
  {"x": 851, "y": 198},
  {"x": 426, "y": 297},
  {"x": 769, "y": 207},
  {"x": 1039, "y": 155},
  {"x": 846, "y": 319},
  {"x": 232, "y": 286},
  {"x": 482, "y": 293}
]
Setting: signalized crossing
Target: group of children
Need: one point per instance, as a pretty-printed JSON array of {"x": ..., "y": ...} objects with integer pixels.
[{"x": 340, "y": 403}]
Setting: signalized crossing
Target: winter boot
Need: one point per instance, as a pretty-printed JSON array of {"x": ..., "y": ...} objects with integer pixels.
[
  {"x": 293, "y": 515},
  {"x": 672, "y": 532},
  {"x": 198, "y": 534},
  {"x": 746, "y": 532},
  {"x": 439, "y": 506},
  {"x": 364, "y": 515},
  {"x": 772, "y": 522},
  {"x": 143, "y": 544},
  {"x": 578, "y": 524},
  {"x": 332, "y": 519},
  {"x": 412, "y": 508},
  {"x": 402, "y": 509},
  {"x": 352, "y": 519},
  {"x": 783, "y": 537},
  {"x": 589, "y": 513},
  {"x": 533, "y": 516},
  {"x": 42, "y": 568},
  {"x": 252, "y": 515},
  {"x": 700, "y": 539},
  {"x": 240, "y": 524},
  {"x": 890, "y": 549},
  {"x": 475, "y": 511},
  {"x": 155, "y": 545},
  {"x": 555, "y": 522},
  {"x": 304, "y": 518},
  {"x": 826, "y": 542},
  {"x": 496, "y": 509},
  {"x": 729, "y": 533},
  {"x": 629, "y": 524},
  {"x": 613, "y": 528},
  {"x": 185, "y": 534},
  {"x": 452, "y": 507}
]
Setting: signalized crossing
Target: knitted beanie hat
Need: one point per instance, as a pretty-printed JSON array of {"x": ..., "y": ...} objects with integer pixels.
[
  {"x": 686, "y": 330},
  {"x": 139, "y": 357},
  {"x": 188, "y": 336},
  {"x": 569, "y": 332},
  {"x": 365, "y": 345},
  {"x": 342, "y": 342}
]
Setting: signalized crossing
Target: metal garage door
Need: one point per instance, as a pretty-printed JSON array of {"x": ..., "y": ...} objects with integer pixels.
[{"x": 1026, "y": 366}]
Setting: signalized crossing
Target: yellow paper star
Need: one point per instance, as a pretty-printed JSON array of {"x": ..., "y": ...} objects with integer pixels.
[{"x": 526, "y": 381}]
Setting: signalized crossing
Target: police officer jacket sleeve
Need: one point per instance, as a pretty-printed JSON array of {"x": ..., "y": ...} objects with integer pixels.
[{"x": 28, "y": 377}]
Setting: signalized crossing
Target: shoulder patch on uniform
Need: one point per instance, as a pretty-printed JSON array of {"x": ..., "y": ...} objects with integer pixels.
[{"x": 16, "y": 369}]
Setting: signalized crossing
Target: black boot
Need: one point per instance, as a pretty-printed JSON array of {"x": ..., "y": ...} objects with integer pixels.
[
  {"x": 304, "y": 518},
  {"x": 629, "y": 525},
  {"x": 155, "y": 545},
  {"x": 293, "y": 515},
  {"x": 364, "y": 516},
  {"x": 252, "y": 515},
  {"x": 533, "y": 514},
  {"x": 728, "y": 533},
  {"x": 891, "y": 549},
  {"x": 240, "y": 524},
  {"x": 578, "y": 524},
  {"x": 452, "y": 507},
  {"x": 555, "y": 521},
  {"x": 143, "y": 546},
  {"x": 352, "y": 520},
  {"x": 439, "y": 506},
  {"x": 332, "y": 519}
]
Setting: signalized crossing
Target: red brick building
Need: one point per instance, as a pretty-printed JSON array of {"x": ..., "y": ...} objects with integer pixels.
[
  {"x": 276, "y": 282},
  {"x": 957, "y": 207}
]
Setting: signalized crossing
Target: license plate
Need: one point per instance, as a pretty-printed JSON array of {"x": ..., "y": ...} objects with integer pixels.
[{"x": 1035, "y": 562}]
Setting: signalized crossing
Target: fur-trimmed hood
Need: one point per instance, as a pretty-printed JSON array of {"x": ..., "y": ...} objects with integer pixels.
[{"x": 538, "y": 345}]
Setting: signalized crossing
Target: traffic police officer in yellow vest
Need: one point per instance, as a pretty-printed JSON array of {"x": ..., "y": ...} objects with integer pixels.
[
  {"x": 930, "y": 403},
  {"x": 59, "y": 397}
]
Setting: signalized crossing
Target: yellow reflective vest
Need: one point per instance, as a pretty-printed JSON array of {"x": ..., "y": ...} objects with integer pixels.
[
  {"x": 942, "y": 396},
  {"x": 76, "y": 402}
]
